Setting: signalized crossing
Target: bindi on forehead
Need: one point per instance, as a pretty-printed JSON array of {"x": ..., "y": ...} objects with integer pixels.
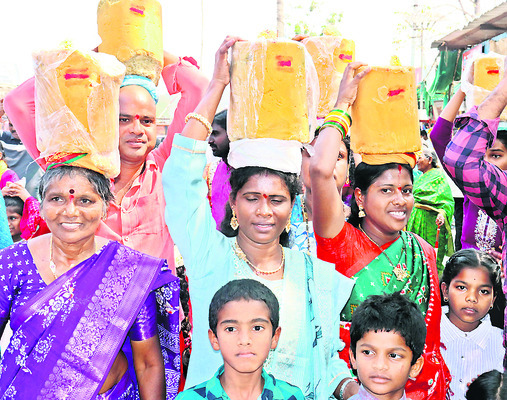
[
  {"x": 399, "y": 176},
  {"x": 136, "y": 116},
  {"x": 265, "y": 195}
]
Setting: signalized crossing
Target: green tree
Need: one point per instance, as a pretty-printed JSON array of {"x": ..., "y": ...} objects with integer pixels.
[{"x": 312, "y": 17}]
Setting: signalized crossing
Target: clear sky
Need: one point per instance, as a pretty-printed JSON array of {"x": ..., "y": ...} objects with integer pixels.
[{"x": 29, "y": 25}]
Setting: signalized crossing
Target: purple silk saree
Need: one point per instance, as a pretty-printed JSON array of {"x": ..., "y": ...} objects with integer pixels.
[{"x": 67, "y": 336}]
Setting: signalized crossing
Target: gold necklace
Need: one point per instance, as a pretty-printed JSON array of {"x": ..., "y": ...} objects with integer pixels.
[
  {"x": 368, "y": 236},
  {"x": 400, "y": 272},
  {"x": 242, "y": 256},
  {"x": 52, "y": 265}
]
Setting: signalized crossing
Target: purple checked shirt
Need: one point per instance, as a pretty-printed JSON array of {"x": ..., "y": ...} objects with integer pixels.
[{"x": 484, "y": 183}]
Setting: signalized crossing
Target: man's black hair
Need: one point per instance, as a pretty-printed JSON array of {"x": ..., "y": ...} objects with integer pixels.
[
  {"x": 390, "y": 313},
  {"x": 221, "y": 119},
  {"x": 243, "y": 289}
]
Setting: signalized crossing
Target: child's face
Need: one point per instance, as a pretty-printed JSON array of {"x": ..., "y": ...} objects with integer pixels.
[
  {"x": 383, "y": 364},
  {"x": 244, "y": 335},
  {"x": 470, "y": 296},
  {"x": 14, "y": 219}
]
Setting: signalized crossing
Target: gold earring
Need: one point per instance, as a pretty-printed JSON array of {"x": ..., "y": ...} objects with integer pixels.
[
  {"x": 287, "y": 227},
  {"x": 234, "y": 221},
  {"x": 361, "y": 212}
]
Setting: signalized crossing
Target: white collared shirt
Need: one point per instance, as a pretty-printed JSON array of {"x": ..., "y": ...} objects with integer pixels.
[{"x": 469, "y": 354}]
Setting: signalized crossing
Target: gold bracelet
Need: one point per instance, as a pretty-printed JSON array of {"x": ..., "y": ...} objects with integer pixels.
[{"x": 201, "y": 119}]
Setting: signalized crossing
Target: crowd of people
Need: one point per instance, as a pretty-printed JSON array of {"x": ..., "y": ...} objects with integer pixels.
[{"x": 340, "y": 281}]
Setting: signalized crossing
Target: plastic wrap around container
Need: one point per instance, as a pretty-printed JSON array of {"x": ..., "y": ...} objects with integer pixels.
[
  {"x": 384, "y": 115},
  {"x": 131, "y": 30},
  {"x": 488, "y": 70},
  {"x": 274, "y": 91},
  {"x": 331, "y": 55},
  {"x": 77, "y": 107}
]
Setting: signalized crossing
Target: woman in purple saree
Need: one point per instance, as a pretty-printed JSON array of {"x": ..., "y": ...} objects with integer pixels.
[{"x": 72, "y": 298}]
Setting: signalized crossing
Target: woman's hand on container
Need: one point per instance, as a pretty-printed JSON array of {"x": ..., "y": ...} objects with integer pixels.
[
  {"x": 348, "y": 86},
  {"x": 221, "y": 73},
  {"x": 207, "y": 107},
  {"x": 300, "y": 37}
]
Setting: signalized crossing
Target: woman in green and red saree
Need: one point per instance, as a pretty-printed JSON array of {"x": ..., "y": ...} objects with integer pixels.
[
  {"x": 434, "y": 206},
  {"x": 72, "y": 298},
  {"x": 372, "y": 247}
]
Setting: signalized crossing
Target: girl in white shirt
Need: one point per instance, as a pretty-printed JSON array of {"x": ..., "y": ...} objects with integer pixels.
[{"x": 471, "y": 284}]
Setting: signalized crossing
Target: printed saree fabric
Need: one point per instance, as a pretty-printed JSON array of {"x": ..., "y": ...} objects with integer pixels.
[
  {"x": 432, "y": 195},
  {"x": 406, "y": 266},
  {"x": 399, "y": 268},
  {"x": 67, "y": 336}
]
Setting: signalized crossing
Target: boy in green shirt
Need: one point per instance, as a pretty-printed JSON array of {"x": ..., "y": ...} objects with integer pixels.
[{"x": 243, "y": 320}]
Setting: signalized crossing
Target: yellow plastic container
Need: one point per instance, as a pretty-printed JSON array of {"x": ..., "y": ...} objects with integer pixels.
[
  {"x": 268, "y": 91},
  {"x": 131, "y": 30},
  {"x": 76, "y": 77},
  {"x": 77, "y": 107},
  {"x": 346, "y": 54},
  {"x": 384, "y": 115},
  {"x": 488, "y": 71},
  {"x": 331, "y": 55}
]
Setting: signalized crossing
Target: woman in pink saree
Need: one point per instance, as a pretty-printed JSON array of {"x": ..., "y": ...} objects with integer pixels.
[{"x": 72, "y": 299}]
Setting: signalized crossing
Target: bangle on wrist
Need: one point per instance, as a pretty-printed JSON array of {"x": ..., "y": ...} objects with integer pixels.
[
  {"x": 336, "y": 126},
  {"x": 343, "y": 387},
  {"x": 203, "y": 120},
  {"x": 339, "y": 120},
  {"x": 343, "y": 113}
]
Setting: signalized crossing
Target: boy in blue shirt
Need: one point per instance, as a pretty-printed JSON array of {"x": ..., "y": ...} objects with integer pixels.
[
  {"x": 243, "y": 320},
  {"x": 387, "y": 337}
]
